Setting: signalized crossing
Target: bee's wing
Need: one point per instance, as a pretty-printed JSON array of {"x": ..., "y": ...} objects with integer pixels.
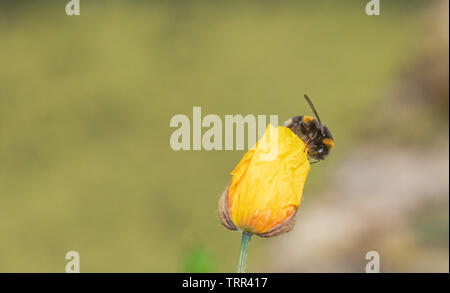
[{"x": 288, "y": 122}]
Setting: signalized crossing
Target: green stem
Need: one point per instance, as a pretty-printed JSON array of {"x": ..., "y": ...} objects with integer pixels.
[{"x": 246, "y": 236}]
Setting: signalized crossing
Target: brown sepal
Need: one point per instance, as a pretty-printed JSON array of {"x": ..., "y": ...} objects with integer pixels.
[{"x": 224, "y": 211}]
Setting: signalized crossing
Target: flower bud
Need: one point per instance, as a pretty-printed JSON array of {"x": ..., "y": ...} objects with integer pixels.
[{"x": 265, "y": 192}]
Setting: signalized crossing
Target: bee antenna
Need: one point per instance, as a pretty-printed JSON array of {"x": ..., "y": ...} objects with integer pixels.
[{"x": 313, "y": 109}]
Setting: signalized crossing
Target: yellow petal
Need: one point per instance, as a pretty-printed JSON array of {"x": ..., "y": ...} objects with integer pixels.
[{"x": 263, "y": 193}]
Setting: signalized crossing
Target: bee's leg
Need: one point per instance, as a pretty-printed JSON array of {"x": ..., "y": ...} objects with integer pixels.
[
  {"x": 313, "y": 162},
  {"x": 307, "y": 143}
]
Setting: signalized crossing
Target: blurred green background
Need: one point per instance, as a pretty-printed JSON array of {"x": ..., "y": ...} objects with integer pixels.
[{"x": 85, "y": 105}]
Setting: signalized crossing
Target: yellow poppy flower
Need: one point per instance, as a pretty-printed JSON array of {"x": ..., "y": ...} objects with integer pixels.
[{"x": 265, "y": 193}]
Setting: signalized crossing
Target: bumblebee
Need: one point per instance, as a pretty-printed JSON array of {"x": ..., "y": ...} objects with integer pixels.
[{"x": 314, "y": 134}]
